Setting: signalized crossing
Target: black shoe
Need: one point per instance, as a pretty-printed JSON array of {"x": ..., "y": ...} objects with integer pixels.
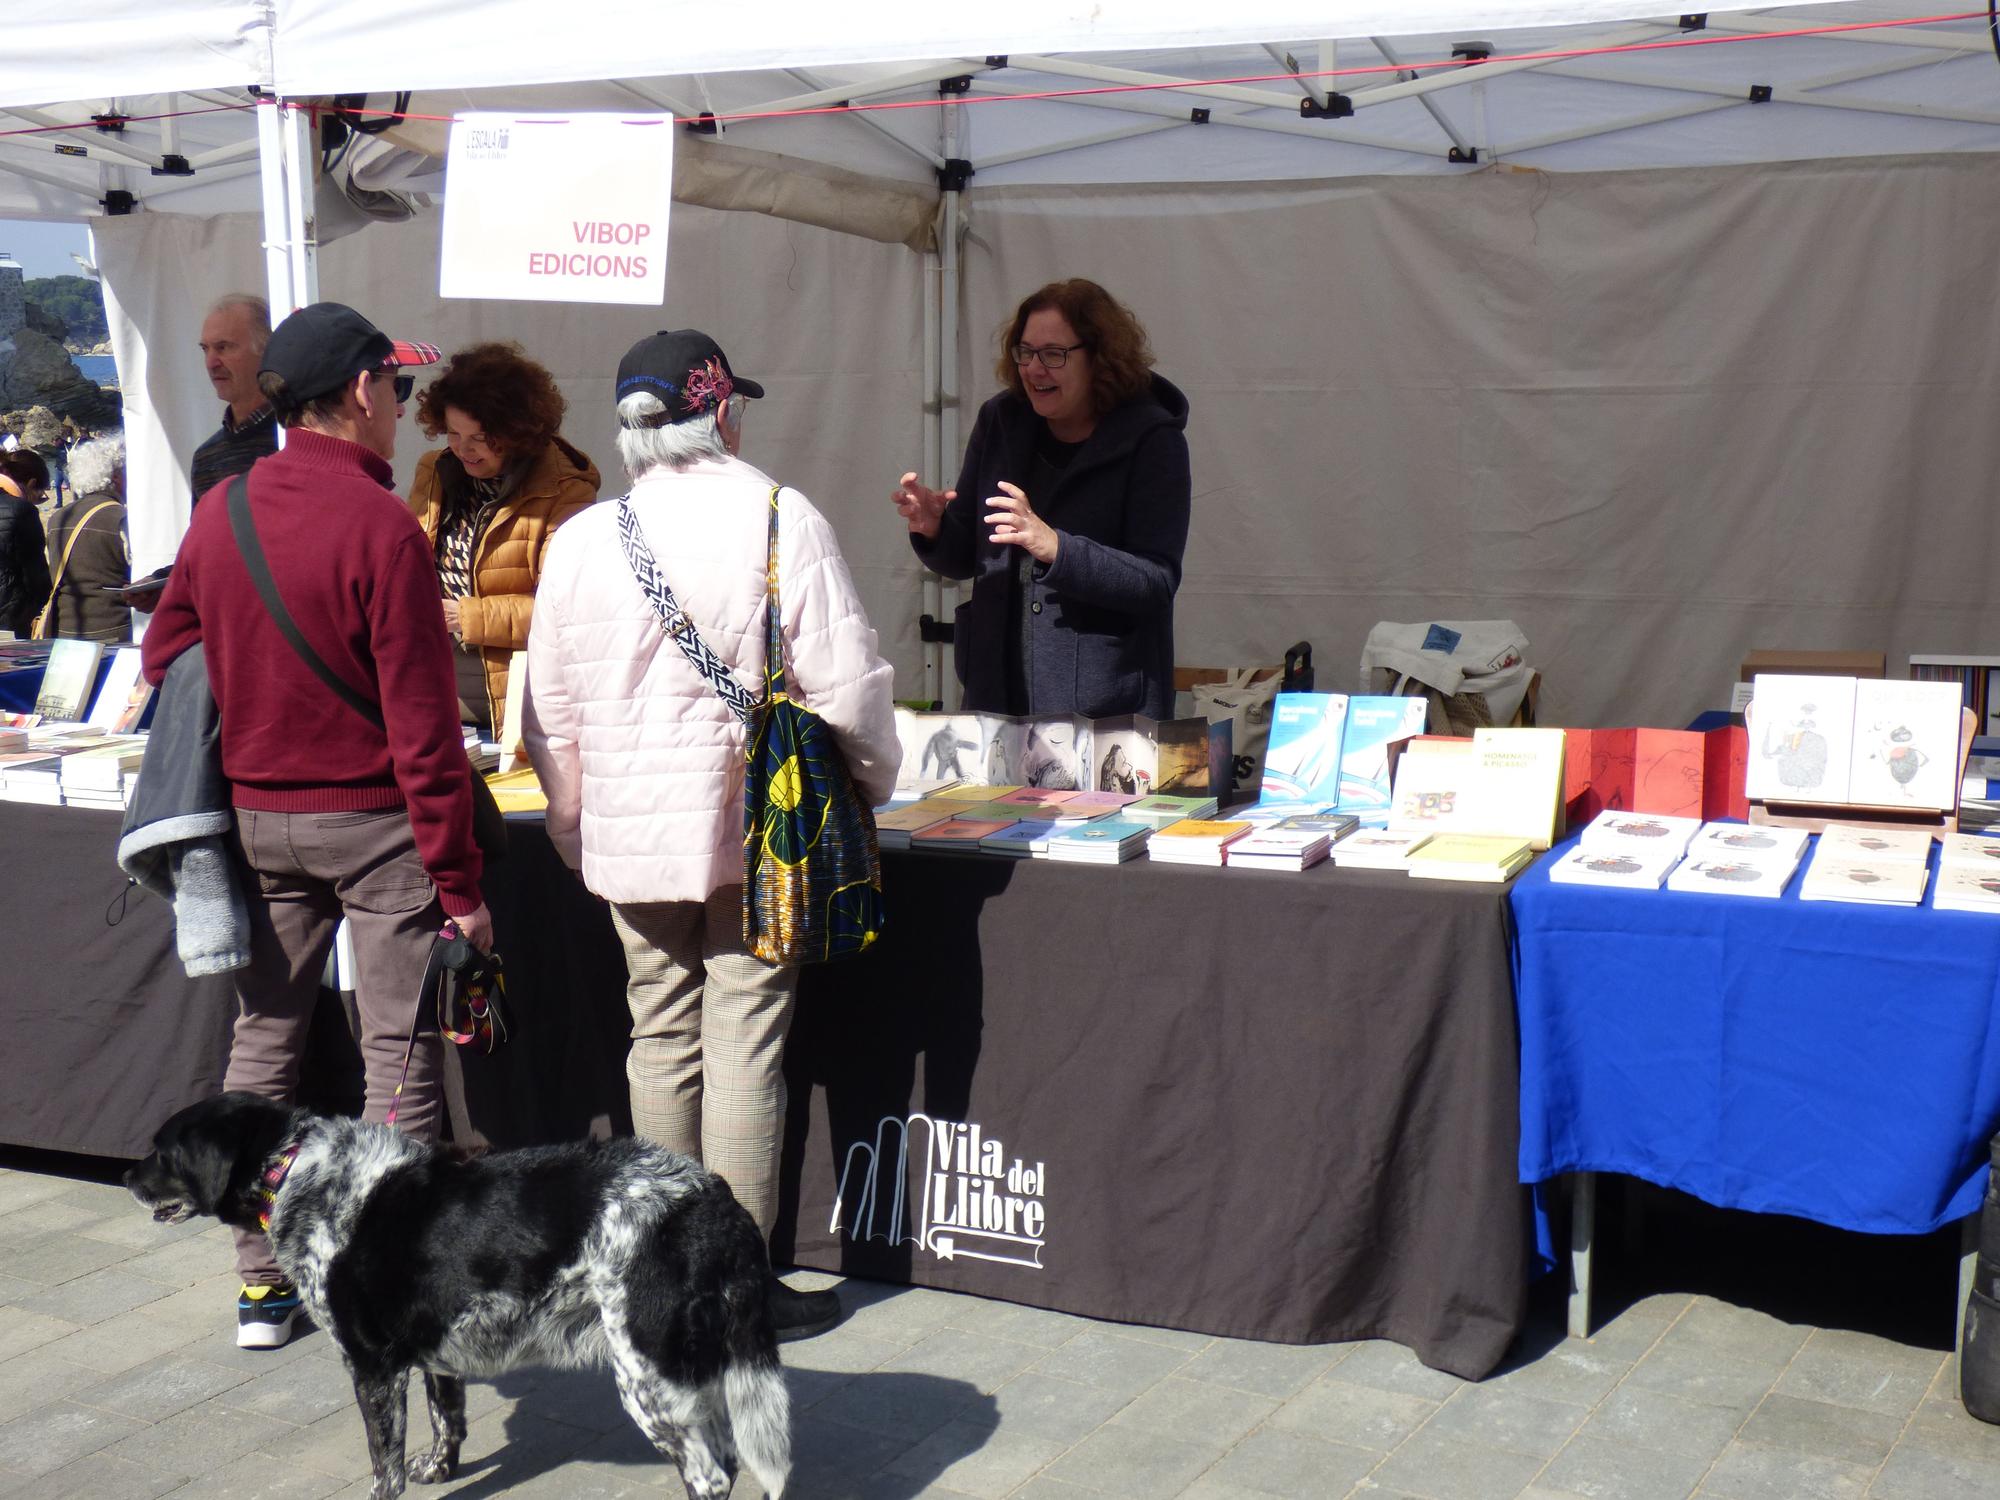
[{"x": 800, "y": 1315}]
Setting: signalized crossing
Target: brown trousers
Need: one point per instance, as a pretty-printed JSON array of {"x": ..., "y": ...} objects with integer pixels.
[{"x": 303, "y": 872}]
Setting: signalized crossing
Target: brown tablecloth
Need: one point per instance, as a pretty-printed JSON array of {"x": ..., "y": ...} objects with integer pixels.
[{"x": 1269, "y": 1106}]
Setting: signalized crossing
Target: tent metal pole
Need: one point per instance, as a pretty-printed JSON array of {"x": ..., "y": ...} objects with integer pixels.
[
  {"x": 931, "y": 593},
  {"x": 948, "y": 268},
  {"x": 271, "y": 173},
  {"x": 296, "y": 141}
]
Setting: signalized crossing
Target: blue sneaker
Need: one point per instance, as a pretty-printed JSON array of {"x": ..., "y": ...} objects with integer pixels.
[{"x": 265, "y": 1315}]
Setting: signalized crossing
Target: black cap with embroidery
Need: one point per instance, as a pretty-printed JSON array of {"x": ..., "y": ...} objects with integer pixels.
[{"x": 686, "y": 370}]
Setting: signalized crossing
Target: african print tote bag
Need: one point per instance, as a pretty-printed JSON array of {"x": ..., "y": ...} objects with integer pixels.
[{"x": 812, "y": 872}]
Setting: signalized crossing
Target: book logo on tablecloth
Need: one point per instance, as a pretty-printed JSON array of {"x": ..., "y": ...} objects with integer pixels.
[{"x": 971, "y": 1201}]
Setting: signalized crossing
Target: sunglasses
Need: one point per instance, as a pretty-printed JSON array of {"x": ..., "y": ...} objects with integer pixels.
[{"x": 406, "y": 385}]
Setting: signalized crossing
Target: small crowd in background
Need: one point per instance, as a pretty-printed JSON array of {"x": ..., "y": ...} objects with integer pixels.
[{"x": 342, "y": 737}]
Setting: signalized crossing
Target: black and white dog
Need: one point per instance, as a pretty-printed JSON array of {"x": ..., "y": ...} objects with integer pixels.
[{"x": 613, "y": 1252}]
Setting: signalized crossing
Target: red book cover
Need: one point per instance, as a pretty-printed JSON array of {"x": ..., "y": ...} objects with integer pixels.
[
  {"x": 1726, "y": 756},
  {"x": 1668, "y": 770},
  {"x": 1611, "y": 766}
]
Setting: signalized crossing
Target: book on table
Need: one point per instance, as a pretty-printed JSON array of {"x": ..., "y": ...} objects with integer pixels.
[
  {"x": 1854, "y": 842},
  {"x": 1375, "y": 724},
  {"x": 894, "y": 828},
  {"x": 961, "y": 833},
  {"x": 1272, "y": 846},
  {"x": 1766, "y": 841},
  {"x": 1874, "y": 882},
  {"x": 1302, "y": 757},
  {"x": 1106, "y": 841},
  {"x": 1098, "y": 804},
  {"x": 102, "y": 767},
  {"x": 1640, "y": 834},
  {"x": 121, "y": 702},
  {"x": 519, "y": 790},
  {"x": 1195, "y": 841},
  {"x": 1159, "y": 810},
  {"x": 1031, "y": 797},
  {"x": 1471, "y": 856},
  {"x": 1021, "y": 840},
  {"x": 1516, "y": 784},
  {"x": 67, "y": 680},
  {"x": 1970, "y": 851},
  {"x": 1715, "y": 871},
  {"x": 1615, "y": 865},
  {"x": 975, "y": 791},
  {"x": 1432, "y": 786},
  {"x": 1378, "y": 849}
]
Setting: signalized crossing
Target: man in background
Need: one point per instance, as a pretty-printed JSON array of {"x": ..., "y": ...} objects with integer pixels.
[{"x": 233, "y": 336}]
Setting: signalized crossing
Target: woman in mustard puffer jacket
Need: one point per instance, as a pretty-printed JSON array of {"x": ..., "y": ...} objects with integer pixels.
[{"x": 489, "y": 502}]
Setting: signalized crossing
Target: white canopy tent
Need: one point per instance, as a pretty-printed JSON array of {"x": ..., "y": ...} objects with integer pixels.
[{"x": 1659, "y": 417}]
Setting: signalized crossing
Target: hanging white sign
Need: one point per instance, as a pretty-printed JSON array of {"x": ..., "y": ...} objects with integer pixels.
[{"x": 557, "y": 208}]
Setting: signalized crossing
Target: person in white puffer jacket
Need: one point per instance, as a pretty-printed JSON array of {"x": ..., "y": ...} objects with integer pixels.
[{"x": 643, "y": 762}]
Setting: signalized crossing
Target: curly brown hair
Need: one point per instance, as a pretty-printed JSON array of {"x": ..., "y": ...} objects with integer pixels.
[
  {"x": 514, "y": 399},
  {"x": 1121, "y": 360}
]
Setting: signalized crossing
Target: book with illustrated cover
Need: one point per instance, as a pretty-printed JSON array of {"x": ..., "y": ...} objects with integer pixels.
[
  {"x": 1471, "y": 856},
  {"x": 894, "y": 828},
  {"x": 1106, "y": 841},
  {"x": 1962, "y": 887},
  {"x": 1020, "y": 840},
  {"x": 1000, "y": 812},
  {"x": 959, "y": 833},
  {"x": 972, "y": 791},
  {"x": 67, "y": 680},
  {"x": 1731, "y": 874},
  {"x": 1336, "y": 826},
  {"x": 1433, "y": 785},
  {"x": 1377, "y": 849},
  {"x": 1125, "y": 755},
  {"x": 938, "y": 749},
  {"x": 1302, "y": 759},
  {"x": 124, "y": 695},
  {"x": 1970, "y": 851},
  {"x": 1801, "y": 739},
  {"x": 1640, "y": 869},
  {"x": 1182, "y": 763},
  {"x": 1849, "y": 841},
  {"x": 1158, "y": 810},
  {"x": 1765, "y": 841},
  {"x": 1195, "y": 841},
  {"x": 1275, "y": 847},
  {"x": 1097, "y": 804},
  {"x": 1876, "y": 882},
  {"x": 1033, "y": 796},
  {"x": 1375, "y": 723},
  {"x": 1906, "y": 740},
  {"x": 1516, "y": 785},
  {"x": 1640, "y": 834}
]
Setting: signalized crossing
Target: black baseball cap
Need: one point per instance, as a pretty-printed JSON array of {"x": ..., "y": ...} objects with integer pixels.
[
  {"x": 686, "y": 369},
  {"x": 319, "y": 348}
]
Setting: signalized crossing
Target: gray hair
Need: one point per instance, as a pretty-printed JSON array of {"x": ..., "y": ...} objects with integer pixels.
[
  {"x": 92, "y": 465},
  {"x": 257, "y": 309},
  {"x": 673, "y": 445}
]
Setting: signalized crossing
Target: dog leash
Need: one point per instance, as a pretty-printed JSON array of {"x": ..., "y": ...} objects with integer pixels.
[{"x": 470, "y": 987}]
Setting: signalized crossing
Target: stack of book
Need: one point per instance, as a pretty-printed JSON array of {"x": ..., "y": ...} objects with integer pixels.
[
  {"x": 1164, "y": 809},
  {"x": 1378, "y": 849},
  {"x": 1968, "y": 873},
  {"x": 1471, "y": 856},
  {"x": 1195, "y": 841},
  {"x": 1979, "y": 794},
  {"x": 961, "y": 833},
  {"x": 894, "y": 826},
  {"x": 1104, "y": 841},
  {"x": 98, "y": 776},
  {"x": 1739, "y": 859},
  {"x": 1876, "y": 866},
  {"x": 1275, "y": 846},
  {"x": 1024, "y": 839},
  {"x": 1635, "y": 850}
]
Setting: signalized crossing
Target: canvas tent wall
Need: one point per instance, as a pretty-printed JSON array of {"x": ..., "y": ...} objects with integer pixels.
[{"x": 1659, "y": 417}]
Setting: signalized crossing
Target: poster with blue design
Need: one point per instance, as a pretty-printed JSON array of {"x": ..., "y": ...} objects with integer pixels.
[{"x": 1302, "y": 760}]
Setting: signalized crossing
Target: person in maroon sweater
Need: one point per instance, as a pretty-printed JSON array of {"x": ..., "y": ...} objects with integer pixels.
[{"x": 334, "y": 815}]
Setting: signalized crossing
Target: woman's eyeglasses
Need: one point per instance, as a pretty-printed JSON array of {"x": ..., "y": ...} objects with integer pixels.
[{"x": 1054, "y": 357}]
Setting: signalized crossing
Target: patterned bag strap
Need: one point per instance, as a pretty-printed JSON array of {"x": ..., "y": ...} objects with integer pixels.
[
  {"x": 774, "y": 645},
  {"x": 678, "y": 626}
]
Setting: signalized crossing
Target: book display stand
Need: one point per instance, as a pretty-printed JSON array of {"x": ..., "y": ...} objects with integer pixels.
[{"x": 1814, "y": 816}]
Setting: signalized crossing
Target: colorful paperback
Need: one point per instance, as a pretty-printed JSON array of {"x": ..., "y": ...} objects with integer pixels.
[
  {"x": 1108, "y": 839},
  {"x": 1019, "y": 840},
  {"x": 1374, "y": 724},
  {"x": 1033, "y": 796},
  {"x": 959, "y": 833},
  {"x": 1433, "y": 785},
  {"x": 1517, "y": 778},
  {"x": 67, "y": 680},
  {"x": 1302, "y": 761},
  {"x": 1470, "y": 856},
  {"x": 123, "y": 698},
  {"x": 1158, "y": 810},
  {"x": 1378, "y": 849}
]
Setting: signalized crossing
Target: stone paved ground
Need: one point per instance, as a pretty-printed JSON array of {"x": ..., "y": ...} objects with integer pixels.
[{"x": 119, "y": 1377}]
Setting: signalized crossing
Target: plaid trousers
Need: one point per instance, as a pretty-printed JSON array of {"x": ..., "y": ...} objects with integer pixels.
[{"x": 708, "y": 1041}]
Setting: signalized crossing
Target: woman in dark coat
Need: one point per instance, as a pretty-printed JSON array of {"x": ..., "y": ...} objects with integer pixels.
[
  {"x": 24, "y": 564},
  {"x": 1070, "y": 516}
]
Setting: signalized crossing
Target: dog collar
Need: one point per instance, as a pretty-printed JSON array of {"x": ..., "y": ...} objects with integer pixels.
[{"x": 274, "y": 1178}]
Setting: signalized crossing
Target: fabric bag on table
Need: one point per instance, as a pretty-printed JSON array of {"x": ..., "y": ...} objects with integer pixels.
[
  {"x": 1474, "y": 672},
  {"x": 812, "y": 871},
  {"x": 489, "y": 824}
]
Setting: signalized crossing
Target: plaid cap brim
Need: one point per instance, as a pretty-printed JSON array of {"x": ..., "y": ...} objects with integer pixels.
[{"x": 410, "y": 352}]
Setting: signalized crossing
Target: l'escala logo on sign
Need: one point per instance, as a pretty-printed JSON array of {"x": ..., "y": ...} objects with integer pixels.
[
  {"x": 486, "y": 144},
  {"x": 969, "y": 1200}
]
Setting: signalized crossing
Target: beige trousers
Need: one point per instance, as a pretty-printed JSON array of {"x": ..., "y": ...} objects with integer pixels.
[{"x": 708, "y": 1041}]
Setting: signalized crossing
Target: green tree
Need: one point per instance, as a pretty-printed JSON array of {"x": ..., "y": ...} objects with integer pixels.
[{"x": 77, "y": 301}]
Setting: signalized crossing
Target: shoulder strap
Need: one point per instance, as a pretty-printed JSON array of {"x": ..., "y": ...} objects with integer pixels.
[
  {"x": 774, "y": 644},
  {"x": 62, "y": 565},
  {"x": 267, "y": 587},
  {"x": 653, "y": 583}
]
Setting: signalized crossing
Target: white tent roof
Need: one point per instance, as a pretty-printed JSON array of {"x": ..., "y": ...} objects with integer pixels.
[{"x": 1685, "y": 99}]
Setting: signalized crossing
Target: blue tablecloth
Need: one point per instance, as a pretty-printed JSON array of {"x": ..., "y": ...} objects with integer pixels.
[
  {"x": 19, "y": 687},
  {"x": 1834, "y": 1061}
]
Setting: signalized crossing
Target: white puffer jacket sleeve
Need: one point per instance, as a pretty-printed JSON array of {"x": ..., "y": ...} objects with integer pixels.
[{"x": 641, "y": 760}]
